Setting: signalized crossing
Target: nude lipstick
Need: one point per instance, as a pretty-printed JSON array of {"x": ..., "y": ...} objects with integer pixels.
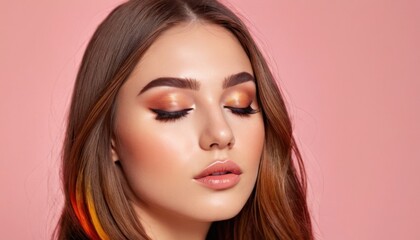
[{"x": 219, "y": 175}]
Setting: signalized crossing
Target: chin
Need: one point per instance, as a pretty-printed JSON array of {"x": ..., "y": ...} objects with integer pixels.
[{"x": 221, "y": 209}]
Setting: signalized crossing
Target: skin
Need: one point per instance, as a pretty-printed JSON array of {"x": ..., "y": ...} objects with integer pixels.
[{"x": 159, "y": 157}]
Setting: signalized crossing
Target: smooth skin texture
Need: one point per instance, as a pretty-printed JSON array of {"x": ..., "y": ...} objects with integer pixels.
[{"x": 166, "y": 135}]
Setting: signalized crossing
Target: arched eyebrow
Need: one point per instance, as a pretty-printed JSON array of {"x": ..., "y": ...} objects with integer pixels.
[
  {"x": 236, "y": 79},
  {"x": 193, "y": 84},
  {"x": 186, "y": 83}
]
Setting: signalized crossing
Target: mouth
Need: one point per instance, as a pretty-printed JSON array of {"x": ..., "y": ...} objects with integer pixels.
[{"x": 220, "y": 175}]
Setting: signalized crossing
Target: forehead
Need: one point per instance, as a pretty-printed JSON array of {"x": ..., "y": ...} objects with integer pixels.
[{"x": 195, "y": 50}]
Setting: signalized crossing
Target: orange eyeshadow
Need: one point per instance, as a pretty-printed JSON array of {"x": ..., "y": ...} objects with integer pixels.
[
  {"x": 170, "y": 101},
  {"x": 238, "y": 99}
]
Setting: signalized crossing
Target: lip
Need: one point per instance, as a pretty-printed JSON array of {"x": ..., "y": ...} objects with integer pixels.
[{"x": 220, "y": 175}]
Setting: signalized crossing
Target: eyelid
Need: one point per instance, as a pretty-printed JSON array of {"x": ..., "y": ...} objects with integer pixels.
[
  {"x": 166, "y": 116},
  {"x": 243, "y": 112},
  {"x": 155, "y": 110},
  {"x": 239, "y": 98},
  {"x": 169, "y": 101}
]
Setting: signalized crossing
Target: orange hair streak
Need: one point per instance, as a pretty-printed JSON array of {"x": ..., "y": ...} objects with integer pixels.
[{"x": 89, "y": 220}]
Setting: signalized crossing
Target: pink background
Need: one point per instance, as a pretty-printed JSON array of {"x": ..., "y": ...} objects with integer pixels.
[{"x": 349, "y": 69}]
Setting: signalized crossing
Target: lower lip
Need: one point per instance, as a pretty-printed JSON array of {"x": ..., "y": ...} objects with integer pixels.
[{"x": 219, "y": 182}]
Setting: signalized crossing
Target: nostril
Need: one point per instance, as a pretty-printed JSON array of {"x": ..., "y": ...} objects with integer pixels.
[
  {"x": 217, "y": 136},
  {"x": 217, "y": 145},
  {"x": 213, "y": 144}
]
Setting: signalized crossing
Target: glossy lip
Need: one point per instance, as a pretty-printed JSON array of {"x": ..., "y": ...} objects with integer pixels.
[{"x": 220, "y": 175}]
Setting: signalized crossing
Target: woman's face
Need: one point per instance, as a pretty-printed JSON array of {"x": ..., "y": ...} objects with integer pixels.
[{"x": 188, "y": 133}]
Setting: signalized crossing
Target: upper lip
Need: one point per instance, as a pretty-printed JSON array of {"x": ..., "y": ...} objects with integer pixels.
[{"x": 225, "y": 166}]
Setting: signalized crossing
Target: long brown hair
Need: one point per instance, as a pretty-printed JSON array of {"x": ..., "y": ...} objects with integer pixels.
[{"x": 96, "y": 206}]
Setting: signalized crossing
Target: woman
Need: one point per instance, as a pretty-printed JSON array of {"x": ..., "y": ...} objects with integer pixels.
[{"x": 177, "y": 130}]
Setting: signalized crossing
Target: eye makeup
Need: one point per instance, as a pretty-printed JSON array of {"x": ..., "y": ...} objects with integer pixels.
[
  {"x": 170, "y": 101},
  {"x": 170, "y": 106},
  {"x": 240, "y": 100},
  {"x": 166, "y": 116},
  {"x": 173, "y": 105}
]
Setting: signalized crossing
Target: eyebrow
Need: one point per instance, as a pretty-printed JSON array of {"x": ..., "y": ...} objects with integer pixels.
[
  {"x": 186, "y": 83},
  {"x": 193, "y": 84},
  {"x": 236, "y": 79}
]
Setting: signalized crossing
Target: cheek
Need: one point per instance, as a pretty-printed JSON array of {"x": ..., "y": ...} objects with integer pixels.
[
  {"x": 142, "y": 140},
  {"x": 249, "y": 142},
  {"x": 151, "y": 153},
  {"x": 148, "y": 148},
  {"x": 249, "y": 135}
]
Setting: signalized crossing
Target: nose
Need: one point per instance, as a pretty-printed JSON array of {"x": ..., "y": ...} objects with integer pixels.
[{"x": 216, "y": 133}]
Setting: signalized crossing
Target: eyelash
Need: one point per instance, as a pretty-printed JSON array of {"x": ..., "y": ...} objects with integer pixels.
[
  {"x": 242, "y": 112},
  {"x": 166, "y": 116}
]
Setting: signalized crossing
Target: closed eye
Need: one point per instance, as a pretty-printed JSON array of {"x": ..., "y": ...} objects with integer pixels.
[
  {"x": 167, "y": 116},
  {"x": 243, "y": 112}
]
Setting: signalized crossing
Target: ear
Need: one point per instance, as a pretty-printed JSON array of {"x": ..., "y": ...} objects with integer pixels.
[{"x": 114, "y": 154}]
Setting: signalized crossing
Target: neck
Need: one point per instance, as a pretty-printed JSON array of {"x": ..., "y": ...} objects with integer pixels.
[{"x": 167, "y": 226}]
